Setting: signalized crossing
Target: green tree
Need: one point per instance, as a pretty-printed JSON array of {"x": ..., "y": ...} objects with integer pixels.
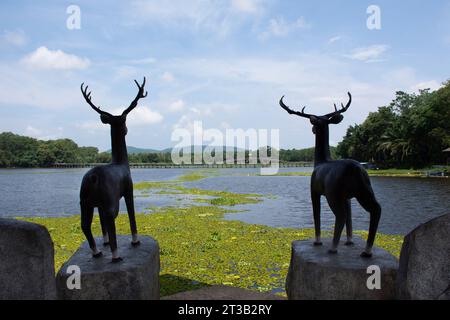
[{"x": 411, "y": 131}]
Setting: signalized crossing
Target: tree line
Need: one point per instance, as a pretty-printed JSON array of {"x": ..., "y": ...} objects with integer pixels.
[
  {"x": 25, "y": 152},
  {"x": 18, "y": 151},
  {"x": 21, "y": 151},
  {"x": 411, "y": 132}
]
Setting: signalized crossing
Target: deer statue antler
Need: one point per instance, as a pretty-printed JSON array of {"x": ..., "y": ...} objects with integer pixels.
[
  {"x": 140, "y": 95},
  {"x": 297, "y": 113},
  {"x": 343, "y": 109},
  {"x": 329, "y": 115},
  {"x": 87, "y": 97}
]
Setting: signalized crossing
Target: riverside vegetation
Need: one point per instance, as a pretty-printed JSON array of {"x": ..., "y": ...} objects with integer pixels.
[
  {"x": 198, "y": 248},
  {"x": 410, "y": 132},
  {"x": 384, "y": 172}
]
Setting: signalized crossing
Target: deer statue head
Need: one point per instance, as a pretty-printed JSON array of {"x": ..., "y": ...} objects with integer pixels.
[
  {"x": 320, "y": 123},
  {"x": 117, "y": 123}
]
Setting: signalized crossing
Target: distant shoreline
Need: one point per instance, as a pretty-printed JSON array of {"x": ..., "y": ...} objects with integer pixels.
[
  {"x": 405, "y": 173},
  {"x": 170, "y": 166}
]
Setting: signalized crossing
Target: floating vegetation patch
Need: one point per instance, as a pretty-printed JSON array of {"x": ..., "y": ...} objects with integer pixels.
[
  {"x": 220, "y": 198},
  {"x": 212, "y": 197}
]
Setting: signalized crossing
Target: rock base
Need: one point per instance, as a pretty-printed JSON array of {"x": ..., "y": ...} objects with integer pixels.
[
  {"x": 134, "y": 278},
  {"x": 314, "y": 274},
  {"x": 424, "y": 272},
  {"x": 27, "y": 270}
]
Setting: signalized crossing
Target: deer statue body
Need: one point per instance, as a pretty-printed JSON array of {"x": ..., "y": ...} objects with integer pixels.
[
  {"x": 339, "y": 181},
  {"x": 104, "y": 186}
]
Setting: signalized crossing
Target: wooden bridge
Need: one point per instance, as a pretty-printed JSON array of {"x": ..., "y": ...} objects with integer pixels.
[{"x": 184, "y": 166}]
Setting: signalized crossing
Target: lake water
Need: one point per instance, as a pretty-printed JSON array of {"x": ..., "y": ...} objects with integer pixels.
[{"x": 406, "y": 202}]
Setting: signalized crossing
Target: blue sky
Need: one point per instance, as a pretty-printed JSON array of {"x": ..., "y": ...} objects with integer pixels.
[{"x": 224, "y": 62}]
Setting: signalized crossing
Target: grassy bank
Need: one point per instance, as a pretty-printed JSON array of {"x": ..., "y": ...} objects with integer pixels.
[
  {"x": 198, "y": 247},
  {"x": 379, "y": 173}
]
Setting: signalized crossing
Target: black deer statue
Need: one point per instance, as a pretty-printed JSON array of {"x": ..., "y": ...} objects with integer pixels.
[
  {"x": 339, "y": 181},
  {"x": 104, "y": 186}
]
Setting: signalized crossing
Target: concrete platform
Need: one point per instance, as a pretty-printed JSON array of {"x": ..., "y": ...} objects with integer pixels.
[
  {"x": 314, "y": 274},
  {"x": 135, "y": 278}
]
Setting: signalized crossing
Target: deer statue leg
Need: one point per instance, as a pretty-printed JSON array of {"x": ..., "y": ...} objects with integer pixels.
[
  {"x": 348, "y": 224},
  {"x": 339, "y": 208},
  {"x": 104, "y": 231},
  {"x": 370, "y": 204},
  {"x": 87, "y": 213},
  {"x": 315, "y": 197},
  {"x": 129, "y": 201},
  {"x": 108, "y": 218}
]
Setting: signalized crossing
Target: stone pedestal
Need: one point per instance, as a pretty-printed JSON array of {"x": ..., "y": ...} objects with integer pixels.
[
  {"x": 314, "y": 274},
  {"x": 134, "y": 278},
  {"x": 424, "y": 272},
  {"x": 27, "y": 270}
]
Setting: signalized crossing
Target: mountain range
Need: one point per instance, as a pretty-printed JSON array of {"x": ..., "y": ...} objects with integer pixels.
[{"x": 136, "y": 150}]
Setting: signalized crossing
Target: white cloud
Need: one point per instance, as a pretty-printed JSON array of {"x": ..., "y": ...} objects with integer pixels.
[
  {"x": 225, "y": 125},
  {"x": 218, "y": 17},
  {"x": 195, "y": 114},
  {"x": 334, "y": 39},
  {"x": 142, "y": 116},
  {"x": 193, "y": 126},
  {"x": 247, "y": 6},
  {"x": 195, "y": 110},
  {"x": 405, "y": 75},
  {"x": 406, "y": 79},
  {"x": 21, "y": 86},
  {"x": 176, "y": 106},
  {"x": 278, "y": 27},
  {"x": 302, "y": 71},
  {"x": 368, "y": 54},
  {"x": 169, "y": 12},
  {"x": 92, "y": 126},
  {"x": 148, "y": 60},
  {"x": 202, "y": 110},
  {"x": 48, "y": 134},
  {"x": 16, "y": 37},
  {"x": 167, "y": 77},
  {"x": 431, "y": 84},
  {"x": 43, "y": 58},
  {"x": 32, "y": 131},
  {"x": 126, "y": 72}
]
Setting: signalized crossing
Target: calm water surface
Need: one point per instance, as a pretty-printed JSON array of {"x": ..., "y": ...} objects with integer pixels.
[{"x": 406, "y": 202}]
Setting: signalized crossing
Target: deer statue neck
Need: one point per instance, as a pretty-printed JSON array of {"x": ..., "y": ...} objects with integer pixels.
[
  {"x": 322, "y": 149},
  {"x": 118, "y": 148}
]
